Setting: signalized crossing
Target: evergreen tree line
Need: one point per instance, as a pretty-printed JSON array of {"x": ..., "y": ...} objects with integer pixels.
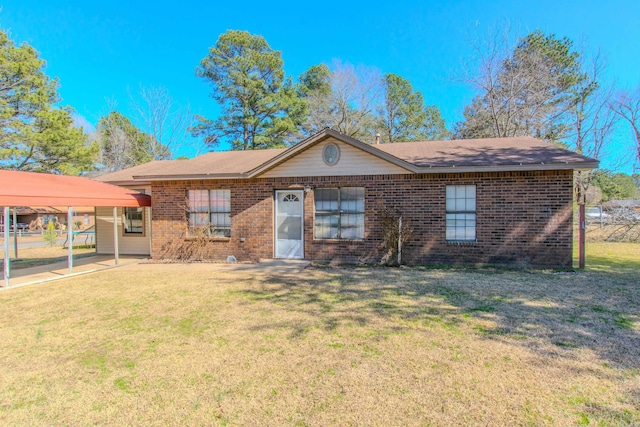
[{"x": 539, "y": 85}]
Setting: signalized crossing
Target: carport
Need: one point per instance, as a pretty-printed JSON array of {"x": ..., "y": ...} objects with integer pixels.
[{"x": 39, "y": 189}]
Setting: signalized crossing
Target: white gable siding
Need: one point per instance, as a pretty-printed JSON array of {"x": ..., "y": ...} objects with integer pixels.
[{"x": 353, "y": 161}]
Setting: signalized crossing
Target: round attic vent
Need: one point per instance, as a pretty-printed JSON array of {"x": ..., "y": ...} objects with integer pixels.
[{"x": 331, "y": 154}]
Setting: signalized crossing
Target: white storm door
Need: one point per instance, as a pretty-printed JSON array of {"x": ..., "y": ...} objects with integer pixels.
[{"x": 289, "y": 224}]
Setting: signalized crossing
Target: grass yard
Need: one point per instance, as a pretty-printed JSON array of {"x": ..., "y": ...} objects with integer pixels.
[
  {"x": 41, "y": 255},
  {"x": 156, "y": 344}
]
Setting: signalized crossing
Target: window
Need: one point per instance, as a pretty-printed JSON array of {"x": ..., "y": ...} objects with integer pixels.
[
  {"x": 461, "y": 213},
  {"x": 339, "y": 213},
  {"x": 210, "y": 212},
  {"x": 134, "y": 220}
]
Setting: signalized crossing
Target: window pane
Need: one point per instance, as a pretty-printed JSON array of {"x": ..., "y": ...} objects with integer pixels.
[
  {"x": 352, "y": 199},
  {"x": 470, "y": 233},
  {"x": 326, "y": 226},
  {"x": 326, "y": 199},
  {"x": 451, "y": 204},
  {"x": 133, "y": 221},
  {"x": 197, "y": 219},
  {"x": 451, "y": 192},
  {"x": 220, "y": 200},
  {"x": 470, "y": 191},
  {"x": 198, "y": 201},
  {"x": 352, "y": 226},
  {"x": 471, "y": 205},
  {"x": 461, "y": 227},
  {"x": 220, "y": 220},
  {"x": 451, "y": 233}
]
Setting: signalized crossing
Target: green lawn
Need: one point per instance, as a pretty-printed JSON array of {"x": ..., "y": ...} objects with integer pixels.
[
  {"x": 155, "y": 344},
  {"x": 611, "y": 256}
]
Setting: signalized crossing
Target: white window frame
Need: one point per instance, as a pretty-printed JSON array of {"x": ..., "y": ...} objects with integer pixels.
[
  {"x": 461, "y": 213},
  {"x": 207, "y": 211}
]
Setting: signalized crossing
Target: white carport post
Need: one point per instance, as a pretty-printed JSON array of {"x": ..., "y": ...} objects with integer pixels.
[
  {"x": 70, "y": 238},
  {"x": 7, "y": 262},
  {"x": 115, "y": 235},
  {"x": 15, "y": 233}
]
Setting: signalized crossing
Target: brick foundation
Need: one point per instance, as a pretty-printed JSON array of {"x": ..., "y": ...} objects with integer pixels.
[{"x": 523, "y": 218}]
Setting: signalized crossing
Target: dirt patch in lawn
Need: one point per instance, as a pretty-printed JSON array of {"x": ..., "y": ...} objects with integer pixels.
[{"x": 194, "y": 345}]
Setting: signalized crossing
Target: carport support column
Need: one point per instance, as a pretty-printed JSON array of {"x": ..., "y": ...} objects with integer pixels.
[
  {"x": 7, "y": 262},
  {"x": 115, "y": 235},
  {"x": 15, "y": 233},
  {"x": 70, "y": 238}
]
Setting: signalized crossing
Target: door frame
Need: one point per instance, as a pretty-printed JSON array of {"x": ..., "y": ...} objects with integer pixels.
[{"x": 300, "y": 194}]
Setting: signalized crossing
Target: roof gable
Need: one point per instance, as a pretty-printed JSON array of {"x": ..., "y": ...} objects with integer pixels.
[{"x": 356, "y": 158}]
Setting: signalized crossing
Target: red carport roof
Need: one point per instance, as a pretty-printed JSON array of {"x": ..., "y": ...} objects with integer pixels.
[{"x": 38, "y": 189}]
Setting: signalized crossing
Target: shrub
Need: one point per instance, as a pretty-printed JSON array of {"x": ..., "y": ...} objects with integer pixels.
[{"x": 50, "y": 234}]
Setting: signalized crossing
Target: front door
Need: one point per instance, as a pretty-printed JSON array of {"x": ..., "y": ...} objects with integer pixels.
[{"x": 289, "y": 224}]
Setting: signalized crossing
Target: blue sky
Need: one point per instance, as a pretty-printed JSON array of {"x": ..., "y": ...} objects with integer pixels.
[{"x": 104, "y": 50}]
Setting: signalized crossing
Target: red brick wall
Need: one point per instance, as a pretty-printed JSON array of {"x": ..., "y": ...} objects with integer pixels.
[{"x": 523, "y": 218}]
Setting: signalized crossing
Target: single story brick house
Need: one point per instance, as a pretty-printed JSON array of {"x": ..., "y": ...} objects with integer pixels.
[{"x": 499, "y": 201}]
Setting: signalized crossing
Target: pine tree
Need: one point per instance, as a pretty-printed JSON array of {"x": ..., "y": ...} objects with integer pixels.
[
  {"x": 403, "y": 115},
  {"x": 260, "y": 106},
  {"x": 35, "y": 136}
]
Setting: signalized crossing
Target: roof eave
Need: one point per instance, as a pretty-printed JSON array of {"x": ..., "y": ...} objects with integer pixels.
[
  {"x": 510, "y": 168},
  {"x": 186, "y": 177},
  {"x": 147, "y": 179},
  {"x": 128, "y": 182}
]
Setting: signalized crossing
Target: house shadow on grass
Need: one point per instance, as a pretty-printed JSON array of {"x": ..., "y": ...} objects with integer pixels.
[
  {"x": 552, "y": 313},
  {"x": 562, "y": 316}
]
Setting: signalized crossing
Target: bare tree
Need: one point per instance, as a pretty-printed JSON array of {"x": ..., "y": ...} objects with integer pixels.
[
  {"x": 160, "y": 116},
  {"x": 524, "y": 88},
  {"x": 350, "y": 105},
  {"x": 592, "y": 121},
  {"x": 356, "y": 92},
  {"x": 627, "y": 106}
]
